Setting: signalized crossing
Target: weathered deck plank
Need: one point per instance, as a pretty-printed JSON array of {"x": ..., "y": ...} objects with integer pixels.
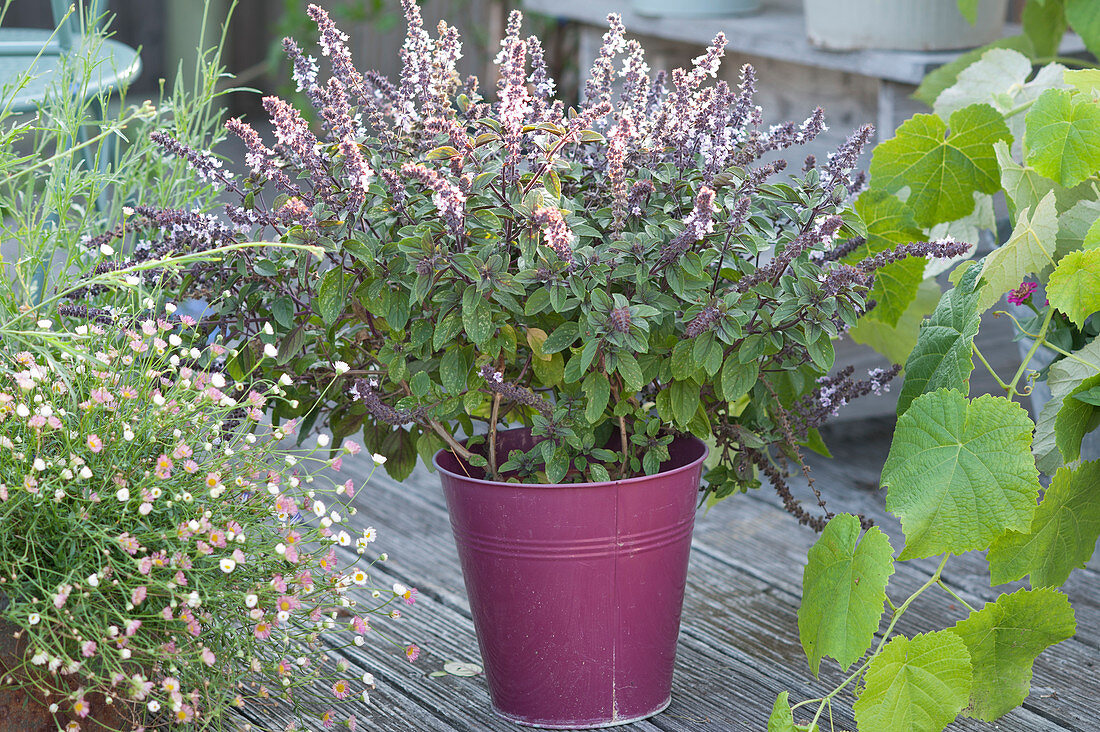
[{"x": 739, "y": 640}]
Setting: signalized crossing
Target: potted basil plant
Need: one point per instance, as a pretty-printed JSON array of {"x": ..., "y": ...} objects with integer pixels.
[{"x": 628, "y": 284}]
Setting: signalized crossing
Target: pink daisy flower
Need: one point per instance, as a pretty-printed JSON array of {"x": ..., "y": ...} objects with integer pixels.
[{"x": 81, "y": 707}]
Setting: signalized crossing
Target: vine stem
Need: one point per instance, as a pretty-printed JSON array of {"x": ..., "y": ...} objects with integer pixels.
[
  {"x": 1066, "y": 61},
  {"x": 1037, "y": 341},
  {"x": 1020, "y": 108},
  {"x": 1056, "y": 349},
  {"x": 934, "y": 579},
  {"x": 978, "y": 353},
  {"x": 951, "y": 592}
]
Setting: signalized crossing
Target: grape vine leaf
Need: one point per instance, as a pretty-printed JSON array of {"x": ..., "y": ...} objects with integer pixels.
[
  {"x": 843, "y": 591},
  {"x": 1092, "y": 235},
  {"x": 1086, "y": 81},
  {"x": 897, "y": 342},
  {"x": 1077, "y": 226},
  {"x": 1044, "y": 446},
  {"x": 782, "y": 719},
  {"x": 969, "y": 10},
  {"x": 942, "y": 357},
  {"x": 1045, "y": 24},
  {"x": 1062, "y": 136},
  {"x": 889, "y": 222},
  {"x": 1029, "y": 250},
  {"x": 998, "y": 75},
  {"x": 1004, "y": 638},
  {"x": 1024, "y": 187},
  {"x": 915, "y": 684},
  {"x": 1065, "y": 376},
  {"x": 1084, "y": 16},
  {"x": 959, "y": 474},
  {"x": 1063, "y": 533},
  {"x": 1074, "y": 285},
  {"x": 1049, "y": 76},
  {"x": 941, "y": 168},
  {"x": 943, "y": 77},
  {"x": 1076, "y": 418}
]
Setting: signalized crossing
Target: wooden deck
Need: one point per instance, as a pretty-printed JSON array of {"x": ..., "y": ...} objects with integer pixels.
[{"x": 738, "y": 644}]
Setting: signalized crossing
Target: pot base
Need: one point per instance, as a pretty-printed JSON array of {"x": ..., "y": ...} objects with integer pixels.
[{"x": 558, "y": 724}]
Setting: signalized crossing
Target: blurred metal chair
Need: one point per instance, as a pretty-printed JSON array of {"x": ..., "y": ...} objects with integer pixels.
[
  {"x": 31, "y": 61},
  {"x": 32, "y": 57}
]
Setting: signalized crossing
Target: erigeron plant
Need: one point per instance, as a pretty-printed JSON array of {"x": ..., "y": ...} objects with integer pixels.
[
  {"x": 163, "y": 552},
  {"x": 611, "y": 275}
]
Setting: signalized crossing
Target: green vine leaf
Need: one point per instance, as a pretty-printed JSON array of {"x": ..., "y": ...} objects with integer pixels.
[
  {"x": 1045, "y": 24},
  {"x": 1024, "y": 187},
  {"x": 1084, "y": 17},
  {"x": 1030, "y": 250},
  {"x": 1044, "y": 446},
  {"x": 1065, "y": 376},
  {"x": 782, "y": 719},
  {"x": 1074, "y": 285},
  {"x": 969, "y": 10},
  {"x": 1063, "y": 533},
  {"x": 1077, "y": 226},
  {"x": 919, "y": 684},
  {"x": 1086, "y": 81},
  {"x": 889, "y": 222},
  {"x": 959, "y": 474},
  {"x": 1004, "y": 638},
  {"x": 943, "y": 77},
  {"x": 1076, "y": 418},
  {"x": 998, "y": 74},
  {"x": 1062, "y": 136},
  {"x": 942, "y": 170},
  {"x": 843, "y": 591},
  {"x": 942, "y": 357}
]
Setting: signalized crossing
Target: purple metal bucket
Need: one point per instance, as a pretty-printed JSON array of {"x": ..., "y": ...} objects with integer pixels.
[{"x": 576, "y": 590}]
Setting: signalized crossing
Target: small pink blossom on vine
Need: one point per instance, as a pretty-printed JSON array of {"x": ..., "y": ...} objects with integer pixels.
[{"x": 1022, "y": 294}]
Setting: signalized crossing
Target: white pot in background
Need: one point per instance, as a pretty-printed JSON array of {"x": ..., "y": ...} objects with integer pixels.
[
  {"x": 902, "y": 25},
  {"x": 694, "y": 8}
]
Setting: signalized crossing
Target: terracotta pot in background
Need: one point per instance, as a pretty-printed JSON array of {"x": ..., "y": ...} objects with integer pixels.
[{"x": 23, "y": 710}]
